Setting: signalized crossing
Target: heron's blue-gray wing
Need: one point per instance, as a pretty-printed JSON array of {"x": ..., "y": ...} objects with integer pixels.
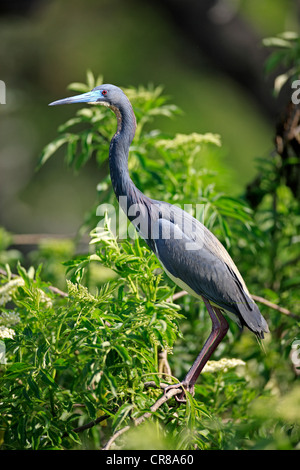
[{"x": 190, "y": 263}]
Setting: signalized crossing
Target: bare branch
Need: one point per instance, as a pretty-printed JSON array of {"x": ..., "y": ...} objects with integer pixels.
[
  {"x": 90, "y": 424},
  {"x": 57, "y": 291},
  {"x": 176, "y": 296},
  {"x": 257, "y": 298},
  {"x": 36, "y": 238},
  {"x": 283, "y": 310}
]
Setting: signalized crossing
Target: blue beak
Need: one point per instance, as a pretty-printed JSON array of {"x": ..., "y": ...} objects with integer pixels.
[{"x": 90, "y": 97}]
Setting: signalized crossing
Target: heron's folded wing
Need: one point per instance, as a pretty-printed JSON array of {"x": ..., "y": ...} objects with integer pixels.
[{"x": 188, "y": 260}]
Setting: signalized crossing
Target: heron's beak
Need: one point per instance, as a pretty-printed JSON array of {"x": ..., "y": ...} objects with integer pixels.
[{"x": 90, "y": 97}]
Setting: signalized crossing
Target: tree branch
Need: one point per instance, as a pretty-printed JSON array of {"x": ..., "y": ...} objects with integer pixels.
[
  {"x": 283, "y": 310},
  {"x": 90, "y": 424},
  {"x": 257, "y": 298}
]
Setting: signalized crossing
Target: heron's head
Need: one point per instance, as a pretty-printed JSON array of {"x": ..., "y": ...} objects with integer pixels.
[{"x": 107, "y": 95}]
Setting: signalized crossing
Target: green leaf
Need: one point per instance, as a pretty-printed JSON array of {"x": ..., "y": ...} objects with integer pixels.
[
  {"x": 121, "y": 350},
  {"x": 111, "y": 382},
  {"x": 51, "y": 148},
  {"x": 22, "y": 429},
  {"x": 17, "y": 369},
  {"x": 78, "y": 87},
  {"x": 90, "y": 407},
  {"x": 281, "y": 80},
  {"x": 274, "y": 60},
  {"x": 33, "y": 387},
  {"x": 60, "y": 364},
  {"x": 121, "y": 415},
  {"x": 46, "y": 378},
  {"x": 276, "y": 42},
  {"x": 74, "y": 436}
]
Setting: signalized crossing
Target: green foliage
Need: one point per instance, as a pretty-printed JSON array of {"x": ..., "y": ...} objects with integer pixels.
[
  {"x": 88, "y": 350},
  {"x": 286, "y": 54},
  {"x": 83, "y": 356}
]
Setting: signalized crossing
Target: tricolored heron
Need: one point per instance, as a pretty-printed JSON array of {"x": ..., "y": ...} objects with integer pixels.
[{"x": 189, "y": 253}]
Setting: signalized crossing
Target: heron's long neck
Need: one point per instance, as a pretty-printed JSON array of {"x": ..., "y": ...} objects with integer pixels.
[{"x": 118, "y": 154}]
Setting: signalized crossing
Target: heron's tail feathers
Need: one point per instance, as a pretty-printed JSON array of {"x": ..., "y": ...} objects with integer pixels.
[
  {"x": 252, "y": 318},
  {"x": 248, "y": 312}
]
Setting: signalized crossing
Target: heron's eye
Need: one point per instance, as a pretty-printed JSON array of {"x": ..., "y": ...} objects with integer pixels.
[{"x": 104, "y": 92}]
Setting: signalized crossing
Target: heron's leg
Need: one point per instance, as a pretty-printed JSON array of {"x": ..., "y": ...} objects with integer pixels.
[{"x": 219, "y": 330}]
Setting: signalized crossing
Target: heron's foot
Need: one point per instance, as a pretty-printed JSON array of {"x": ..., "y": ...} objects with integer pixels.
[{"x": 184, "y": 386}]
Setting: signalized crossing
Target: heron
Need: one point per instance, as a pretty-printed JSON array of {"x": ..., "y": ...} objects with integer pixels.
[{"x": 189, "y": 253}]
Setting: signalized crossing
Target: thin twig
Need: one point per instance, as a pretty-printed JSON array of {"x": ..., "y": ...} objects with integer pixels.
[
  {"x": 137, "y": 421},
  {"x": 283, "y": 310},
  {"x": 177, "y": 295},
  {"x": 53, "y": 289},
  {"x": 36, "y": 238},
  {"x": 57, "y": 291},
  {"x": 4, "y": 273},
  {"x": 257, "y": 298},
  {"x": 90, "y": 424},
  {"x": 114, "y": 437}
]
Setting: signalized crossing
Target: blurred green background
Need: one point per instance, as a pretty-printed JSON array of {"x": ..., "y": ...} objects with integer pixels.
[{"x": 207, "y": 54}]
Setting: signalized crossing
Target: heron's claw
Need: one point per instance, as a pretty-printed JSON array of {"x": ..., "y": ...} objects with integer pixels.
[{"x": 181, "y": 396}]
